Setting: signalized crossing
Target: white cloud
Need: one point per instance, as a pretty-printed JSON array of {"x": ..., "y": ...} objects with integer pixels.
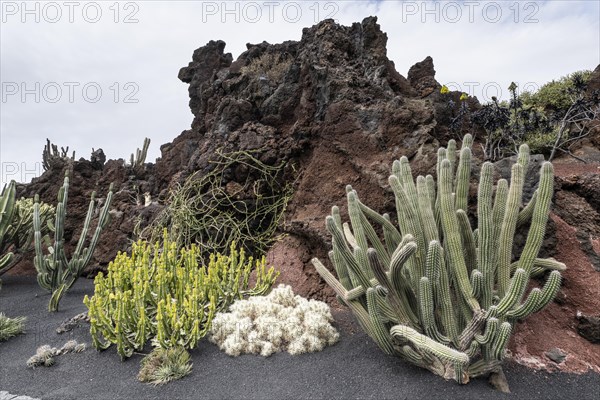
[{"x": 148, "y": 54}]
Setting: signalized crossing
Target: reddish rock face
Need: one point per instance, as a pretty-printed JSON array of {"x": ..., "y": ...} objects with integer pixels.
[{"x": 333, "y": 109}]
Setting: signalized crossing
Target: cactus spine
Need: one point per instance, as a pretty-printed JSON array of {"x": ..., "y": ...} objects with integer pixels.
[
  {"x": 55, "y": 272},
  {"x": 435, "y": 291}
]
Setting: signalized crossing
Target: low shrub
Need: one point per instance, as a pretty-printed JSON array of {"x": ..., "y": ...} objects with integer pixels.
[
  {"x": 165, "y": 365},
  {"x": 10, "y": 327},
  {"x": 280, "y": 321},
  {"x": 164, "y": 295}
]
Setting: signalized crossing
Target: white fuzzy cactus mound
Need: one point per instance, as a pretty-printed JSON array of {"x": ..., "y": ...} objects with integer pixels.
[{"x": 280, "y": 321}]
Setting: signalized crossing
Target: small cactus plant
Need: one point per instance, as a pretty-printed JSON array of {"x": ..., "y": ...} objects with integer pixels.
[
  {"x": 45, "y": 355},
  {"x": 165, "y": 365},
  {"x": 10, "y": 327},
  {"x": 55, "y": 272},
  {"x": 436, "y": 292}
]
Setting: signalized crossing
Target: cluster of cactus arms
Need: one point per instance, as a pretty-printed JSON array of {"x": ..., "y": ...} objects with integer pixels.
[
  {"x": 55, "y": 271},
  {"x": 51, "y": 155},
  {"x": 436, "y": 292},
  {"x": 7, "y": 210},
  {"x": 19, "y": 234},
  {"x": 163, "y": 295},
  {"x": 137, "y": 161}
]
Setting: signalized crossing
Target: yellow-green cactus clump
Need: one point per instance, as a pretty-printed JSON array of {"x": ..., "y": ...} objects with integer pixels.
[{"x": 163, "y": 294}]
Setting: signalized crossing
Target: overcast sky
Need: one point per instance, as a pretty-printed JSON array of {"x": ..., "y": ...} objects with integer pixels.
[{"x": 104, "y": 74}]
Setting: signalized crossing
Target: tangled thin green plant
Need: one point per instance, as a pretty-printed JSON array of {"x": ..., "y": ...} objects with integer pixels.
[{"x": 206, "y": 209}]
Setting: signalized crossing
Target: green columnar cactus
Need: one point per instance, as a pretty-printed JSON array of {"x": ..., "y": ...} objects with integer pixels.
[
  {"x": 55, "y": 272},
  {"x": 51, "y": 155},
  {"x": 7, "y": 209},
  {"x": 19, "y": 233},
  {"x": 436, "y": 292},
  {"x": 137, "y": 161}
]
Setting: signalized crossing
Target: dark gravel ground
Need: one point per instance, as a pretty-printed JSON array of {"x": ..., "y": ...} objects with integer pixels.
[{"x": 353, "y": 368}]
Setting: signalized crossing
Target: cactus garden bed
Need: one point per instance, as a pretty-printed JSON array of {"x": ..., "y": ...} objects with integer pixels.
[{"x": 353, "y": 368}]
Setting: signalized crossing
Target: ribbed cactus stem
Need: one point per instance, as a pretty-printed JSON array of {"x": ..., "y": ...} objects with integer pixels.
[
  {"x": 358, "y": 231},
  {"x": 431, "y": 190},
  {"x": 408, "y": 184},
  {"x": 527, "y": 307},
  {"x": 451, "y": 156},
  {"x": 402, "y": 254},
  {"x": 549, "y": 290},
  {"x": 477, "y": 281},
  {"x": 516, "y": 288},
  {"x": 467, "y": 141},
  {"x": 370, "y": 233},
  {"x": 340, "y": 269},
  {"x": 396, "y": 301},
  {"x": 452, "y": 237},
  {"x": 429, "y": 345},
  {"x": 337, "y": 218},
  {"x": 541, "y": 265},
  {"x": 427, "y": 311},
  {"x": 468, "y": 241},
  {"x": 509, "y": 224},
  {"x": 485, "y": 231},
  {"x": 497, "y": 217},
  {"x": 539, "y": 218},
  {"x": 427, "y": 218},
  {"x": 491, "y": 329},
  {"x": 527, "y": 211},
  {"x": 463, "y": 175},
  {"x": 357, "y": 274},
  {"x": 410, "y": 223},
  {"x": 443, "y": 296},
  {"x": 501, "y": 340},
  {"x": 330, "y": 279},
  {"x": 382, "y": 334}
]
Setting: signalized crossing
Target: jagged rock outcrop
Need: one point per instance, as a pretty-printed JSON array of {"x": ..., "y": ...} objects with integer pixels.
[{"x": 331, "y": 105}]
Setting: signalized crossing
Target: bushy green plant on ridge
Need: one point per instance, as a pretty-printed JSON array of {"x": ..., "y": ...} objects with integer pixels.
[
  {"x": 162, "y": 294},
  {"x": 436, "y": 292}
]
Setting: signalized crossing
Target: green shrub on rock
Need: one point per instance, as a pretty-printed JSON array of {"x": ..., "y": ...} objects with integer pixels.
[{"x": 435, "y": 291}]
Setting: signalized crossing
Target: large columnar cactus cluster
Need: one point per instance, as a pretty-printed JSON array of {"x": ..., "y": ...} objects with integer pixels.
[
  {"x": 435, "y": 291},
  {"x": 162, "y": 294},
  {"x": 55, "y": 272}
]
